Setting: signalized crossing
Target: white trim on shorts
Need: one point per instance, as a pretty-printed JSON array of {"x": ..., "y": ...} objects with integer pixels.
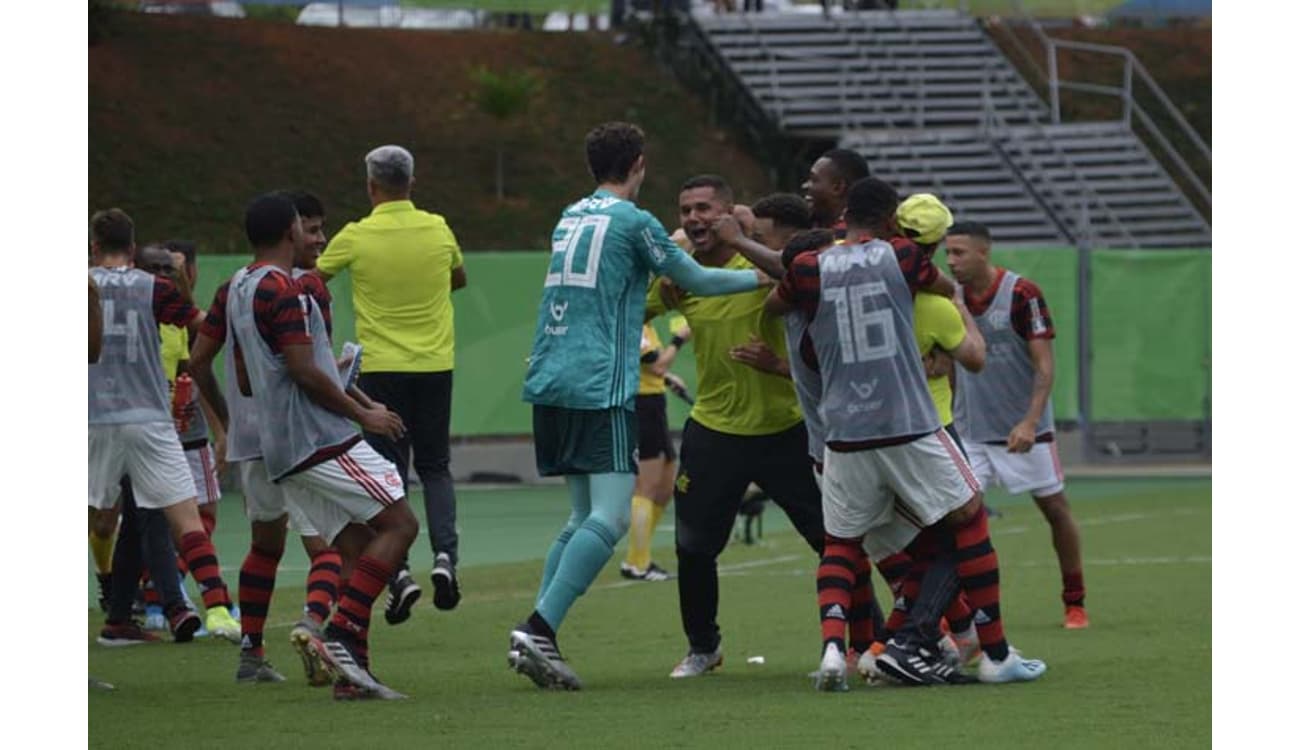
[
  {"x": 265, "y": 500},
  {"x": 1037, "y": 472},
  {"x": 351, "y": 488},
  {"x": 204, "y": 470},
  {"x": 149, "y": 453}
]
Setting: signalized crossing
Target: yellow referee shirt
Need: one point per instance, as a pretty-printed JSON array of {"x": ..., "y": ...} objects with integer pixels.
[
  {"x": 733, "y": 397},
  {"x": 174, "y": 346},
  {"x": 401, "y": 260},
  {"x": 651, "y": 383},
  {"x": 936, "y": 322}
]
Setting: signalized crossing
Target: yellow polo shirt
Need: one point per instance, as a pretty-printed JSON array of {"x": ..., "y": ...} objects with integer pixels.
[
  {"x": 174, "y": 346},
  {"x": 936, "y": 322},
  {"x": 733, "y": 397},
  {"x": 401, "y": 260},
  {"x": 651, "y": 383}
]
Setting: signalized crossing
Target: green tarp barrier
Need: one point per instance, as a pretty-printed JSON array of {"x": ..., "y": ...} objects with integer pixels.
[{"x": 1150, "y": 332}]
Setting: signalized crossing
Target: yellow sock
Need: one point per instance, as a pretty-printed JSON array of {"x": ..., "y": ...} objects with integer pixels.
[
  {"x": 638, "y": 538},
  {"x": 101, "y": 548},
  {"x": 655, "y": 515}
]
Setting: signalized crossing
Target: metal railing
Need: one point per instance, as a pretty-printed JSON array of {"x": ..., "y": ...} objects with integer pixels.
[{"x": 1133, "y": 72}]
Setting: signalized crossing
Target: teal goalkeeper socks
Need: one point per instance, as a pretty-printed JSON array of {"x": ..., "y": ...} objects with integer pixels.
[
  {"x": 579, "y": 509},
  {"x": 590, "y": 547}
]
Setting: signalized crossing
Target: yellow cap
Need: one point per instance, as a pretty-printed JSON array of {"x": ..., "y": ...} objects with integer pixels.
[{"x": 925, "y": 215}]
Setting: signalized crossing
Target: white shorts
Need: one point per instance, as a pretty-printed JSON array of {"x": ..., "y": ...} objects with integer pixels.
[
  {"x": 149, "y": 453},
  {"x": 265, "y": 500},
  {"x": 1037, "y": 472},
  {"x": 203, "y": 467},
  {"x": 352, "y": 488},
  {"x": 918, "y": 482},
  {"x": 880, "y": 541}
]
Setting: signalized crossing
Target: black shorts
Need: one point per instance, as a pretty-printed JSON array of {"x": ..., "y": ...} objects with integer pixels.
[
  {"x": 652, "y": 427},
  {"x": 584, "y": 441}
]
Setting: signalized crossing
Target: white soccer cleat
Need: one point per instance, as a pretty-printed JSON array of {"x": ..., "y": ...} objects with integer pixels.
[
  {"x": 832, "y": 675},
  {"x": 968, "y": 647},
  {"x": 1014, "y": 668},
  {"x": 694, "y": 665}
]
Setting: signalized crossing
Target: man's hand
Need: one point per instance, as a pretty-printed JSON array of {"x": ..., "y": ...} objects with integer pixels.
[
  {"x": 1021, "y": 438},
  {"x": 938, "y": 364},
  {"x": 680, "y": 328},
  {"x": 669, "y": 293},
  {"x": 219, "y": 452},
  {"x": 757, "y": 355},
  {"x": 380, "y": 421},
  {"x": 728, "y": 229}
]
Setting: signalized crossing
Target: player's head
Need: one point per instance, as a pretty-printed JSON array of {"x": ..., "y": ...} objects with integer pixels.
[
  {"x": 704, "y": 199},
  {"x": 777, "y": 217},
  {"x": 390, "y": 173},
  {"x": 805, "y": 240},
  {"x": 923, "y": 219},
  {"x": 185, "y": 255},
  {"x": 112, "y": 234},
  {"x": 828, "y": 183},
  {"x": 871, "y": 206},
  {"x": 312, "y": 212},
  {"x": 967, "y": 246},
  {"x": 159, "y": 259},
  {"x": 616, "y": 155},
  {"x": 271, "y": 223}
]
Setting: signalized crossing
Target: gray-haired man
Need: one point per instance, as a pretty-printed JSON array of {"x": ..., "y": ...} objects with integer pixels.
[{"x": 405, "y": 263}]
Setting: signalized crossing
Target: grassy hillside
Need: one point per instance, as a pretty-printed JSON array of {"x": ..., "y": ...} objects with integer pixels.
[{"x": 190, "y": 117}]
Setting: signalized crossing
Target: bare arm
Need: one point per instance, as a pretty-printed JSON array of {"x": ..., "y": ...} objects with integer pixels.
[
  {"x": 1022, "y": 435},
  {"x": 322, "y": 390},
  {"x": 758, "y": 355},
  {"x": 775, "y": 305},
  {"x": 458, "y": 278},
  {"x": 200, "y": 364},
  {"x": 942, "y": 286},
  {"x": 767, "y": 259},
  {"x": 971, "y": 351}
]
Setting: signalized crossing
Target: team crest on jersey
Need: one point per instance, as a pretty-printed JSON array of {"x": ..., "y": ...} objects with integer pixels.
[
  {"x": 999, "y": 320},
  {"x": 683, "y": 482},
  {"x": 391, "y": 479}
]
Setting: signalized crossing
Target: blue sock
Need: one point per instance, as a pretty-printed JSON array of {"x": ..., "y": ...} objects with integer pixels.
[
  {"x": 590, "y": 547},
  {"x": 579, "y": 509}
]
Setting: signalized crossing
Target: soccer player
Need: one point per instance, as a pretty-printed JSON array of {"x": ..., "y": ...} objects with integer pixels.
[
  {"x": 350, "y": 495},
  {"x": 886, "y": 451},
  {"x": 131, "y": 431},
  {"x": 582, "y": 377},
  {"x": 657, "y": 459},
  {"x": 265, "y": 501},
  {"x": 827, "y": 187},
  {"x": 1004, "y": 413},
  {"x": 745, "y": 427}
]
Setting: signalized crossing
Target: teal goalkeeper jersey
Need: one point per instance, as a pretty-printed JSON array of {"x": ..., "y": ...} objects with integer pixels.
[{"x": 587, "y": 346}]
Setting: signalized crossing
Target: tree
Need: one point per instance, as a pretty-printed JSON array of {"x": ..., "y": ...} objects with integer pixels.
[{"x": 504, "y": 97}]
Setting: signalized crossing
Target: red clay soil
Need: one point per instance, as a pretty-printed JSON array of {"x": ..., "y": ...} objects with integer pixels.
[{"x": 191, "y": 117}]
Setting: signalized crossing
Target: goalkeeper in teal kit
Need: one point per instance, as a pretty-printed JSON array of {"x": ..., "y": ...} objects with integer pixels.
[{"x": 583, "y": 375}]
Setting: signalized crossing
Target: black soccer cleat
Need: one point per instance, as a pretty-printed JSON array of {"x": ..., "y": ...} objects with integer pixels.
[{"x": 403, "y": 593}]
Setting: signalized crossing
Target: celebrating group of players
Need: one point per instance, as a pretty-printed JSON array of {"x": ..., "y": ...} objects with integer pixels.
[{"x": 827, "y": 342}]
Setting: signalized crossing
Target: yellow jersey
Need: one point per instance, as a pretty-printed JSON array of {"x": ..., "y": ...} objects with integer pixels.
[
  {"x": 733, "y": 397},
  {"x": 401, "y": 260},
  {"x": 174, "y": 346},
  {"x": 651, "y": 383},
  {"x": 936, "y": 322}
]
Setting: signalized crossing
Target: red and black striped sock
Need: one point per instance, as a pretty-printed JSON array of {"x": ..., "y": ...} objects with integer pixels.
[
  {"x": 149, "y": 592},
  {"x": 256, "y": 584},
  {"x": 862, "y": 612},
  {"x": 196, "y": 548},
  {"x": 959, "y": 614},
  {"x": 369, "y": 577},
  {"x": 835, "y": 577},
  {"x": 894, "y": 568},
  {"x": 909, "y": 589},
  {"x": 1072, "y": 589},
  {"x": 323, "y": 584},
  {"x": 209, "y": 523},
  {"x": 977, "y": 573}
]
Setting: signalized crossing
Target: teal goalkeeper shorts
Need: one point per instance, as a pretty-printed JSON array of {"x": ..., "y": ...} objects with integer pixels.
[{"x": 584, "y": 441}]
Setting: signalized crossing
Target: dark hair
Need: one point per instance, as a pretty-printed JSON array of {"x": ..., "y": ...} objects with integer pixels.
[
  {"x": 268, "y": 218},
  {"x": 869, "y": 202},
  {"x": 612, "y": 148},
  {"x": 113, "y": 230},
  {"x": 971, "y": 229},
  {"x": 188, "y": 248},
  {"x": 802, "y": 242},
  {"x": 307, "y": 204},
  {"x": 717, "y": 182},
  {"x": 784, "y": 209},
  {"x": 155, "y": 258},
  {"x": 849, "y": 165}
]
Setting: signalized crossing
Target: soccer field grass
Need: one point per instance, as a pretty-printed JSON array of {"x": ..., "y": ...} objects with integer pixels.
[{"x": 1139, "y": 677}]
